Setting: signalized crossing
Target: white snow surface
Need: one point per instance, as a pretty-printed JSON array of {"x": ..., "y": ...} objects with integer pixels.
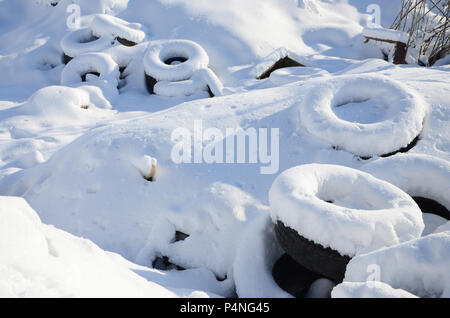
[
  {"x": 371, "y": 289},
  {"x": 386, "y": 34},
  {"x": 38, "y": 260},
  {"x": 420, "y": 266},
  {"x": 105, "y": 25},
  {"x": 343, "y": 208},
  {"x": 78, "y": 154}
]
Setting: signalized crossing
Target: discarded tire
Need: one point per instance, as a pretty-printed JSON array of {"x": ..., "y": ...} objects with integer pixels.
[
  {"x": 397, "y": 133},
  {"x": 314, "y": 257},
  {"x": 101, "y": 34},
  {"x": 126, "y": 33},
  {"x": 99, "y": 64},
  {"x": 82, "y": 41},
  {"x": 327, "y": 214},
  {"x": 189, "y": 75},
  {"x": 425, "y": 178},
  {"x": 293, "y": 277}
]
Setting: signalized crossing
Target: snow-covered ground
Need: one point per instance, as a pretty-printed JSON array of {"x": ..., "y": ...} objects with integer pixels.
[{"x": 76, "y": 156}]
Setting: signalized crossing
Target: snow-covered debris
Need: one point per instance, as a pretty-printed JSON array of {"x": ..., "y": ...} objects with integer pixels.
[
  {"x": 104, "y": 25},
  {"x": 82, "y": 41},
  {"x": 83, "y": 67},
  {"x": 401, "y": 124},
  {"x": 345, "y": 209},
  {"x": 421, "y": 267},
  {"x": 371, "y": 289},
  {"x": 179, "y": 67},
  {"x": 385, "y": 34}
]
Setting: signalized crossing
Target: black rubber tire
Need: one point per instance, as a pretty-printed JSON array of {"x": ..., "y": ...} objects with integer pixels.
[
  {"x": 323, "y": 261},
  {"x": 282, "y": 63},
  {"x": 430, "y": 206},
  {"x": 405, "y": 149},
  {"x": 66, "y": 58},
  {"x": 125, "y": 42},
  {"x": 293, "y": 277}
]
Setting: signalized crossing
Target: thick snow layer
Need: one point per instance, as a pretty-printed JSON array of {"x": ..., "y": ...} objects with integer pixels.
[
  {"x": 104, "y": 25},
  {"x": 257, "y": 253},
  {"x": 420, "y": 267},
  {"x": 386, "y": 34},
  {"x": 364, "y": 214},
  {"x": 417, "y": 174},
  {"x": 371, "y": 289},
  {"x": 288, "y": 75},
  {"x": 402, "y": 122},
  {"x": 37, "y": 260},
  {"x": 84, "y": 170},
  {"x": 82, "y": 41}
]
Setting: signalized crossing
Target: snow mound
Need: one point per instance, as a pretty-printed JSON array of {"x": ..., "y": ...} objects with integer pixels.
[
  {"x": 403, "y": 121},
  {"x": 420, "y": 267},
  {"x": 371, "y": 289},
  {"x": 104, "y": 25},
  {"x": 256, "y": 255},
  {"x": 62, "y": 265},
  {"x": 214, "y": 223},
  {"x": 288, "y": 75},
  {"x": 344, "y": 209}
]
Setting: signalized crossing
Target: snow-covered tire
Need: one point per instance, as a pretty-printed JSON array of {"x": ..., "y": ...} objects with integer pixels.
[
  {"x": 82, "y": 41},
  {"x": 344, "y": 209},
  {"x": 190, "y": 75},
  {"x": 100, "y": 63},
  {"x": 108, "y": 26},
  {"x": 314, "y": 257},
  {"x": 406, "y": 111},
  {"x": 421, "y": 176},
  {"x": 159, "y": 53},
  {"x": 293, "y": 277}
]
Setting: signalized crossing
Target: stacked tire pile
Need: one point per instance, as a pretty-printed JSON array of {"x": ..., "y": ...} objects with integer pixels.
[
  {"x": 172, "y": 67},
  {"x": 326, "y": 215}
]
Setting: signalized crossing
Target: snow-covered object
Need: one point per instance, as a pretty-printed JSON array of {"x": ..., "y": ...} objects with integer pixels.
[
  {"x": 108, "y": 26},
  {"x": 386, "y": 34},
  {"x": 92, "y": 62},
  {"x": 81, "y": 41},
  {"x": 418, "y": 175},
  {"x": 405, "y": 112},
  {"x": 370, "y": 289},
  {"x": 182, "y": 78},
  {"x": 288, "y": 75},
  {"x": 200, "y": 80},
  {"x": 146, "y": 166},
  {"x": 268, "y": 61},
  {"x": 421, "y": 267},
  {"x": 214, "y": 222},
  {"x": 365, "y": 213},
  {"x": 159, "y": 52},
  {"x": 38, "y": 260},
  {"x": 256, "y": 255}
]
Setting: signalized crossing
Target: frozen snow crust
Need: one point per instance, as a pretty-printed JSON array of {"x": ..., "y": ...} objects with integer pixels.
[
  {"x": 404, "y": 119},
  {"x": 420, "y": 267},
  {"x": 365, "y": 213}
]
